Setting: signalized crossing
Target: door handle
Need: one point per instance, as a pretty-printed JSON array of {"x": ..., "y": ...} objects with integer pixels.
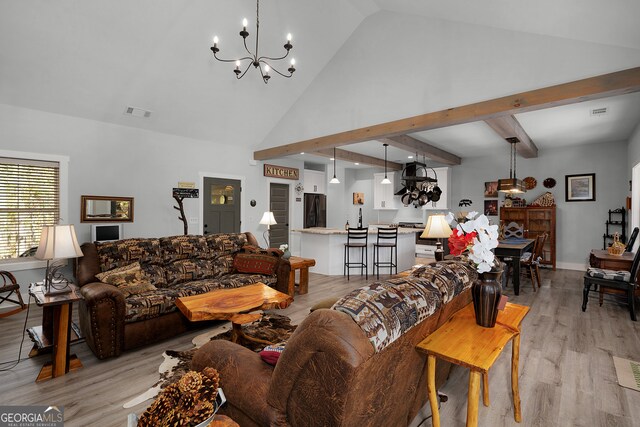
[
  {"x": 286, "y": 225},
  {"x": 206, "y": 225}
]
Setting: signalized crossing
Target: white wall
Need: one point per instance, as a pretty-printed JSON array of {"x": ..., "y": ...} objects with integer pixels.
[
  {"x": 107, "y": 159},
  {"x": 579, "y": 225},
  {"x": 395, "y": 66}
]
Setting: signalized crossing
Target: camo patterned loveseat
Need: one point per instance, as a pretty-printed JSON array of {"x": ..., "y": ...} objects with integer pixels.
[{"x": 130, "y": 286}]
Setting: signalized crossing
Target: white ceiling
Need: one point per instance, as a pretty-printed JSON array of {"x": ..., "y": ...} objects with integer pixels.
[{"x": 92, "y": 59}]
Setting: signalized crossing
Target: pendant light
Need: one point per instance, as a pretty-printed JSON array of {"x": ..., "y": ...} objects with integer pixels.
[
  {"x": 512, "y": 185},
  {"x": 334, "y": 180},
  {"x": 385, "y": 180}
]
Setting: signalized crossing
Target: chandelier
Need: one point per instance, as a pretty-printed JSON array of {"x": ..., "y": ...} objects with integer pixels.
[
  {"x": 260, "y": 62},
  {"x": 512, "y": 185}
]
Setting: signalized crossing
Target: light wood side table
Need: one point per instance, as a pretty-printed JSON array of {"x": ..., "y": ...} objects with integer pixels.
[
  {"x": 461, "y": 341},
  {"x": 302, "y": 264}
]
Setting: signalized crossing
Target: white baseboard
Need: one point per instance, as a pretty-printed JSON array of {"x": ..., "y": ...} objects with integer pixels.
[{"x": 572, "y": 266}]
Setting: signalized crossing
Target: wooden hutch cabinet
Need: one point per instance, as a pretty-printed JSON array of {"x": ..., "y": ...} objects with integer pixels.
[{"x": 536, "y": 220}]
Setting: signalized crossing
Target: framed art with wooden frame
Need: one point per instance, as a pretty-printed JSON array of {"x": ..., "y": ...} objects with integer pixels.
[
  {"x": 580, "y": 188},
  {"x": 491, "y": 189}
]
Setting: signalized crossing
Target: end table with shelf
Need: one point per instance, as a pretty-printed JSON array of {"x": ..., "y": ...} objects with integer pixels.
[
  {"x": 461, "y": 341},
  {"x": 57, "y": 331}
]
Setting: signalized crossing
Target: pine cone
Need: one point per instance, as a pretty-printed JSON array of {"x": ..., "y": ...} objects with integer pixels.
[
  {"x": 161, "y": 406},
  {"x": 147, "y": 419},
  {"x": 190, "y": 382},
  {"x": 172, "y": 393},
  {"x": 210, "y": 384},
  {"x": 187, "y": 402},
  {"x": 176, "y": 419},
  {"x": 202, "y": 411}
]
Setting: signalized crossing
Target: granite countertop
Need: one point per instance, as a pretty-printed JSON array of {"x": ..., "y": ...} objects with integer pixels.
[{"x": 328, "y": 231}]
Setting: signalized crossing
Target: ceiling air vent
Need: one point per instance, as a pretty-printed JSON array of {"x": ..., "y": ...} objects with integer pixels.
[
  {"x": 596, "y": 112},
  {"x": 137, "y": 112}
]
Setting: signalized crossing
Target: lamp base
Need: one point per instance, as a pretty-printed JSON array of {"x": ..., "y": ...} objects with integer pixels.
[
  {"x": 439, "y": 253},
  {"x": 52, "y": 291}
]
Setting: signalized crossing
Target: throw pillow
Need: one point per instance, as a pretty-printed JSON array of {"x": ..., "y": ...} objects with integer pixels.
[
  {"x": 255, "y": 263},
  {"x": 258, "y": 250},
  {"x": 271, "y": 353},
  {"x": 129, "y": 279}
]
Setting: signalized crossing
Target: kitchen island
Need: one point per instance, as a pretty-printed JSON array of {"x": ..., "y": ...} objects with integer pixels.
[{"x": 326, "y": 246}]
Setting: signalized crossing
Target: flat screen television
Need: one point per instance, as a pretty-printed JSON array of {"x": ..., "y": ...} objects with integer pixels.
[{"x": 106, "y": 232}]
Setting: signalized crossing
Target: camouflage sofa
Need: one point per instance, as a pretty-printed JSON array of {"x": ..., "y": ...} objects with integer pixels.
[{"x": 130, "y": 286}]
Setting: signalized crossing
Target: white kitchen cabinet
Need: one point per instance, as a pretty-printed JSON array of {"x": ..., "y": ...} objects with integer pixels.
[
  {"x": 315, "y": 182},
  {"x": 444, "y": 182},
  {"x": 383, "y": 193}
]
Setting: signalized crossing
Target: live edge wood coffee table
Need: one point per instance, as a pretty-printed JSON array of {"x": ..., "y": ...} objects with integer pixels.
[
  {"x": 461, "y": 341},
  {"x": 235, "y": 305}
]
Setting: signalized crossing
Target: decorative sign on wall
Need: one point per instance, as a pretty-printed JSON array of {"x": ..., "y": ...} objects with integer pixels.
[
  {"x": 274, "y": 171},
  {"x": 186, "y": 193}
]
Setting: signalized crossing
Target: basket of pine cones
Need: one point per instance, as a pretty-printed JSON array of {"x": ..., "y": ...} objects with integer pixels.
[{"x": 189, "y": 402}]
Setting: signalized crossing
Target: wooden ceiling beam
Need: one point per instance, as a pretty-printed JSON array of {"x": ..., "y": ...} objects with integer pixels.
[
  {"x": 363, "y": 159},
  {"x": 510, "y": 127},
  {"x": 612, "y": 84},
  {"x": 413, "y": 145}
]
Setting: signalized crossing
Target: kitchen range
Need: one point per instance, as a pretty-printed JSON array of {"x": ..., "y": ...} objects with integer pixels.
[{"x": 425, "y": 248}]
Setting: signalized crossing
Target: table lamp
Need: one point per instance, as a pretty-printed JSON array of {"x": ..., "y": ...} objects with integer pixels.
[
  {"x": 57, "y": 242},
  {"x": 437, "y": 228},
  {"x": 268, "y": 219}
]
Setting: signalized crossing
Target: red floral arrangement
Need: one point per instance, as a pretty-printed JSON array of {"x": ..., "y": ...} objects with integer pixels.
[{"x": 460, "y": 242}]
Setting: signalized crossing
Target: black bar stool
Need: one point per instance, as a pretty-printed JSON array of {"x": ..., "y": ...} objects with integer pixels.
[
  {"x": 387, "y": 238},
  {"x": 356, "y": 238}
]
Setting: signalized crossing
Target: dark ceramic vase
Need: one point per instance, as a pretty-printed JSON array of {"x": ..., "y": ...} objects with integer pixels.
[{"x": 486, "y": 292}]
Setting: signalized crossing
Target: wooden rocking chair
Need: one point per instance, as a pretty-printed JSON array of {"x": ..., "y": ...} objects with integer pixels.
[{"x": 9, "y": 286}]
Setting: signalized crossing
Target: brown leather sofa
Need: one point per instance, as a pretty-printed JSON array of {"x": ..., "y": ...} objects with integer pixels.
[
  {"x": 330, "y": 374},
  {"x": 112, "y": 323}
]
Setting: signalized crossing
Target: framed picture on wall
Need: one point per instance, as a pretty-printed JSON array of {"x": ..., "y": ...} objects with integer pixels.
[
  {"x": 491, "y": 189},
  {"x": 490, "y": 207},
  {"x": 580, "y": 188},
  {"x": 358, "y": 198}
]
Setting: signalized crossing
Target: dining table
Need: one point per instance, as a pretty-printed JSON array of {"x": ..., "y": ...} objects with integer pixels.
[{"x": 514, "y": 248}]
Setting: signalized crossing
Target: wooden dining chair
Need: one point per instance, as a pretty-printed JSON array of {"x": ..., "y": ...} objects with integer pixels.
[
  {"x": 9, "y": 287},
  {"x": 513, "y": 229},
  {"x": 632, "y": 240},
  {"x": 529, "y": 262},
  {"x": 532, "y": 262},
  {"x": 624, "y": 282}
]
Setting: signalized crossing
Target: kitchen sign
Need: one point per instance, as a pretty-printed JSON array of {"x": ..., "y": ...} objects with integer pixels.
[{"x": 281, "y": 172}]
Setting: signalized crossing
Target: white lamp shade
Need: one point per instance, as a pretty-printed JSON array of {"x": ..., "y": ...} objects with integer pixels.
[
  {"x": 58, "y": 241},
  {"x": 268, "y": 219},
  {"x": 437, "y": 227}
]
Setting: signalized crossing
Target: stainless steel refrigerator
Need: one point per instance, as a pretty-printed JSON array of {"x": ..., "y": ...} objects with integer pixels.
[{"x": 315, "y": 210}]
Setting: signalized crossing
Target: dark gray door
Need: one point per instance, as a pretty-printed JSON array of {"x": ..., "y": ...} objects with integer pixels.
[
  {"x": 279, "y": 205},
  {"x": 221, "y": 212}
]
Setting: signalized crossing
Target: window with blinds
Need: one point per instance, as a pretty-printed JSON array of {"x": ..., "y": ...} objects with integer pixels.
[{"x": 29, "y": 199}]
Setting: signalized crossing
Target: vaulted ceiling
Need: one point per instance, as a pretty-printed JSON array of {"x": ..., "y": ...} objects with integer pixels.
[{"x": 360, "y": 62}]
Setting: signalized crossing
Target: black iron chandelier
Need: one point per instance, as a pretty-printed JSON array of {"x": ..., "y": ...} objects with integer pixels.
[{"x": 260, "y": 62}]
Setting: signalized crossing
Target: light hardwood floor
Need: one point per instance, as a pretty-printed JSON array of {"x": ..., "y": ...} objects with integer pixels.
[{"x": 567, "y": 376}]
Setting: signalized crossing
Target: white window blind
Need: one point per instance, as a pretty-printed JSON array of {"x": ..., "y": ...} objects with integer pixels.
[{"x": 29, "y": 199}]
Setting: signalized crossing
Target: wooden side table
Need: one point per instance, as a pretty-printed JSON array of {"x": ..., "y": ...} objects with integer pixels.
[
  {"x": 302, "y": 264},
  {"x": 463, "y": 342},
  {"x": 59, "y": 308}
]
